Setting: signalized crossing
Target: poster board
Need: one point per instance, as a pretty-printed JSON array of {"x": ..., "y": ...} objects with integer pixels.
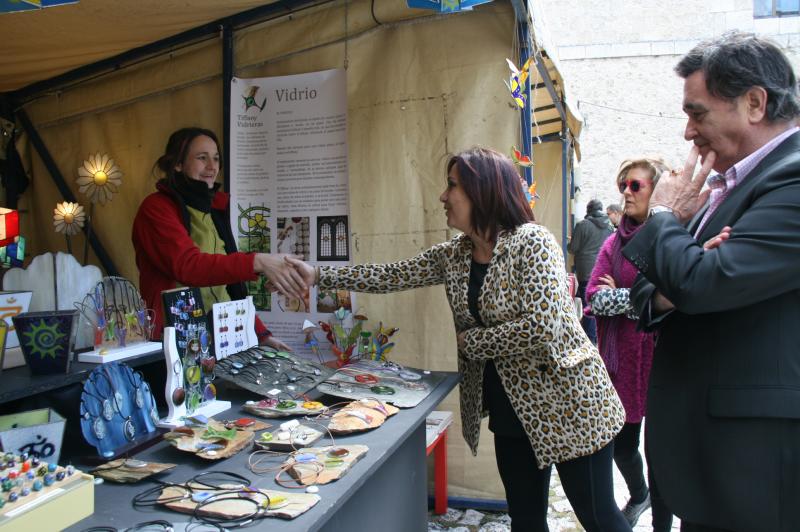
[{"x": 290, "y": 188}]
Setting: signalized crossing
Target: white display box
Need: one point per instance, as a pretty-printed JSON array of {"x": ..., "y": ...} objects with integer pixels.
[
  {"x": 12, "y": 303},
  {"x": 36, "y": 432}
]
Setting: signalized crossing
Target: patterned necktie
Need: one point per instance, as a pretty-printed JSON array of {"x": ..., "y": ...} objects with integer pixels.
[{"x": 718, "y": 186}]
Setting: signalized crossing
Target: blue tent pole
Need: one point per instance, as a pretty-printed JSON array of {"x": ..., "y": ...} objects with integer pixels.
[
  {"x": 525, "y": 115},
  {"x": 565, "y": 195}
]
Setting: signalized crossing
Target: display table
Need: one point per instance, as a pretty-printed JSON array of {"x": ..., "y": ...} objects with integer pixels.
[{"x": 386, "y": 490}]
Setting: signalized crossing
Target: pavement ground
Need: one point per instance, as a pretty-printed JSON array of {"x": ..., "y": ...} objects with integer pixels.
[{"x": 560, "y": 517}]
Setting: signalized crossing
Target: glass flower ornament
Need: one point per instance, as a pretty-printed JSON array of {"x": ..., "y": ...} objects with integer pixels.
[
  {"x": 68, "y": 218},
  {"x": 99, "y": 178}
]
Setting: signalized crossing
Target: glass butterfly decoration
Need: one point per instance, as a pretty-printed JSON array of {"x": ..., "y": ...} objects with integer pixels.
[
  {"x": 516, "y": 81},
  {"x": 520, "y": 159}
]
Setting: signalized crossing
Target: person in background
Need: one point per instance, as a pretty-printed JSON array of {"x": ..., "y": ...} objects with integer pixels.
[
  {"x": 587, "y": 237},
  {"x": 522, "y": 355},
  {"x": 614, "y": 213},
  {"x": 628, "y": 353},
  {"x": 182, "y": 234}
]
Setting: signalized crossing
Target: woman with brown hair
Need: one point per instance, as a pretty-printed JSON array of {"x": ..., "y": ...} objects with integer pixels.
[
  {"x": 182, "y": 234},
  {"x": 522, "y": 354}
]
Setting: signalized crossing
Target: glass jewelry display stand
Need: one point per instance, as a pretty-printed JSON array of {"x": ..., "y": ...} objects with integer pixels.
[
  {"x": 180, "y": 377},
  {"x": 261, "y": 370},
  {"x": 121, "y": 324},
  {"x": 234, "y": 327},
  {"x": 392, "y": 383},
  {"x": 117, "y": 411}
]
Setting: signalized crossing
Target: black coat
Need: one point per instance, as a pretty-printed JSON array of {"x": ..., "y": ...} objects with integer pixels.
[
  {"x": 587, "y": 239},
  {"x": 723, "y": 414}
]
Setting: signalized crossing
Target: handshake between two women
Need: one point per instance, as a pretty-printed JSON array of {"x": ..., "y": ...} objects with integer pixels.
[{"x": 286, "y": 274}]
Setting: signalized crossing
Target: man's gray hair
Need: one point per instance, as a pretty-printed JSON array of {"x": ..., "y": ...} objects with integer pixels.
[{"x": 736, "y": 62}]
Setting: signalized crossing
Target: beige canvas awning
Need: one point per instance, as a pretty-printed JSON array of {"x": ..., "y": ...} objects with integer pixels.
[
  {"x": 419, "y": 86},
  {"x": 40, "y": 44}
]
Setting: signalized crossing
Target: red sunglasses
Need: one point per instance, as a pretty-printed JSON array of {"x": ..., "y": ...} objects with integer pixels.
[{"x": 634, "y": 184}]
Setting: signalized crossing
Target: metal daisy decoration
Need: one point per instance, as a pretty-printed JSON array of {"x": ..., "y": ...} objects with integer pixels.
[
  {"x": 68, "y": 218},
  {"x": 99, "y": 178}
]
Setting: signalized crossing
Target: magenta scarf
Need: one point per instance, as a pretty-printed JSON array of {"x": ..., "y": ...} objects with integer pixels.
[{"x": 609, "y": 326}]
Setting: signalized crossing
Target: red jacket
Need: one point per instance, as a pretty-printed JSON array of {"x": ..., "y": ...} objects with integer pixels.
[{"x": 167, "y": 256}]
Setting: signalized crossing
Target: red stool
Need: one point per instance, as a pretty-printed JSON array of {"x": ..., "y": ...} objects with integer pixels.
[{"x": 439, "y": 449}]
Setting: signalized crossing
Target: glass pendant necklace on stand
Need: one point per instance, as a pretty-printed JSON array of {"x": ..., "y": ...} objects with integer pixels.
[
  {"x": 128, "y": 428},
  {"x": 95, "y": 419}
]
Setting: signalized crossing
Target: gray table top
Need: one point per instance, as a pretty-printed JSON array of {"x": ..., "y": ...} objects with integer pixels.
[{"x": 113, "y": 507}]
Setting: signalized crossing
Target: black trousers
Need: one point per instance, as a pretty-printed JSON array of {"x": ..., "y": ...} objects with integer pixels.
[
  {"x": 629, "y": 462},
  {"x": 587, "y": 482}
]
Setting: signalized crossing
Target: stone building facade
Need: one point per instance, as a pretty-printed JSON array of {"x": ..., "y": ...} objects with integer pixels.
[{"x": 617, "y": 60}]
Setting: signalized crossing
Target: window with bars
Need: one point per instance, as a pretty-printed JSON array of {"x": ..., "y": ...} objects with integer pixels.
[
  {"x": 325, "y": 240},
  {"x": 332, "y": 239},
  {"x": 775, "y": 8}
]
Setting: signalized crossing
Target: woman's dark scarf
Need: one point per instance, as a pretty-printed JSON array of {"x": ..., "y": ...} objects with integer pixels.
[{"x": 194, "y": 193}]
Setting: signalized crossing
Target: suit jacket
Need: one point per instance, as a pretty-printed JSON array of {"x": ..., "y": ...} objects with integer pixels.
[
  {"x": 723, "y": 414},
  {"x": 551, "y": 372}
]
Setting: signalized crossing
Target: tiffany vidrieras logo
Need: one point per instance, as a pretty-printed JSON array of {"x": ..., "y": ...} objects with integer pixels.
[{"x": 249, "y": 97}]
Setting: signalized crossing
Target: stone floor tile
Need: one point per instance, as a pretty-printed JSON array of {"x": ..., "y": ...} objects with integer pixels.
[
  {"x": 452, "y": 515},
  {"x": 561, "y": 505},
  {"x": 495, "y": 526},
  {"x": 471, "y": 517}
]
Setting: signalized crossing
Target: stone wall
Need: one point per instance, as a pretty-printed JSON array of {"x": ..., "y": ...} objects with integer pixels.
[{"x": 617, "y": 58}]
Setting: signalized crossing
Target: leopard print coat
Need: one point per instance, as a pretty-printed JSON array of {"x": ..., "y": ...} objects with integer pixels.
[{"x": 553, "y": 375}]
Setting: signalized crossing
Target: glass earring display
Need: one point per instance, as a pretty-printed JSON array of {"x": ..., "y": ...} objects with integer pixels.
[{"x": 116, "y": 313}]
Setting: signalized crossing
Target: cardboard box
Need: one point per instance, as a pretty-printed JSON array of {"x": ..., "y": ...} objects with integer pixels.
[
  {"x": 36, "y": 432},
  {"x": 12, "y": 303}
]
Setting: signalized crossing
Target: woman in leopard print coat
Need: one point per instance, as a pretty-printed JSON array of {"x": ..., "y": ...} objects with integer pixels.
[{"x": 523, "y": 356}]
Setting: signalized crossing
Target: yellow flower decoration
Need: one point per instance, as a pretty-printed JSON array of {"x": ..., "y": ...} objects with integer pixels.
[
  {"x": 99, "y": 178},
  {"x": 257, "y": 221},
  {"x": 68, "y": 218}
]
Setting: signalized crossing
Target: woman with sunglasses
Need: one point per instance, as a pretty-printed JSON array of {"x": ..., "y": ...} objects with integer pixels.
[
  {"x": 522, "y": 354},
  {"x": 627, "y": 353}
]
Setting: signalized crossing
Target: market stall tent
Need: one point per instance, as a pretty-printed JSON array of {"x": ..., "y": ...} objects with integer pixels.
[{"x": 420, "y": 85}]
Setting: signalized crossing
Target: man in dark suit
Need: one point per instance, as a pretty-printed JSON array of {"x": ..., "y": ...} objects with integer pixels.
[{"x": 723, "y": 416}]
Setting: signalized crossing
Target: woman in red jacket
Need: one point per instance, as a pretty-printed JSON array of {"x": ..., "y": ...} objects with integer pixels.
[{"x": 182, "y": 234}]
